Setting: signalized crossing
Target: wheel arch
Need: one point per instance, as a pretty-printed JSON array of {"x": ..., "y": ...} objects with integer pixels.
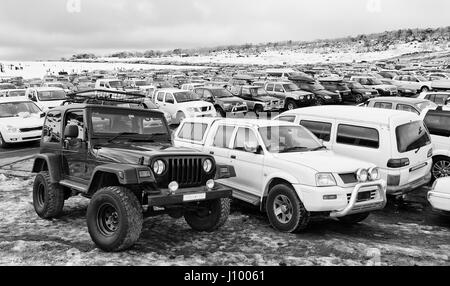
[
  {"x": 273, "y": 181},
  {"x": 50, "y": 163}
]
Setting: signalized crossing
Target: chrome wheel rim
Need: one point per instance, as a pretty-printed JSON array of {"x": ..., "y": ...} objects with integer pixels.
[
  {"x": 283, "y": 209},
  {"x": 441, "y": 169}
]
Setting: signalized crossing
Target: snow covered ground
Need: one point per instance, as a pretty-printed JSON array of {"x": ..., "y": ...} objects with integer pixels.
[{"x": 409, "y": 235}]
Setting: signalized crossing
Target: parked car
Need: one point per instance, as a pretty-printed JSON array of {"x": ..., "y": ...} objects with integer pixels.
[
  {"x": 359, "y": 93},
  {"x": 257, "y": 99},
  {"x": 191, "y": 86},
  {"x": 291, "y": 94},
  {"x": 114, "y": 84},
  {"x": 46, "y": 97},
  {"x": 415, "y": 105},
  {"x": 440, "y": 85},
  {"x": 122, "y": 159},
  {"x": 12, "y": 92},
  {"x": 397, "y": 142},
  {"x": 322, "y": 95},
  {"x": 402, "y": 90},
  {"x": 224, "y": 101},
  {"x": 140, "y": 84},
  {"x": 286, "y": 171},
  {"x": 374, "y": 83},
  {"x": 439, "y": 195},
  {"x": 181, "y": 104},
  {"x": 4, "y": 86},
  {"x": 67, "y": 87},
  {"x": 437, "y": 121},
  {"x": 21, "y": 120},
  {"x": 338, "y": 86},
  {"x": 440, "y": 98},
  {"x": 413, "y": 82}
]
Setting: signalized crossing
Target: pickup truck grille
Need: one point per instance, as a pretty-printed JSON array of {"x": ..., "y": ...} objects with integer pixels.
[
  {"x": 31, "y": 129},
  {"x": 363, "y": 197},
  {"x": 186, "y": 172}
]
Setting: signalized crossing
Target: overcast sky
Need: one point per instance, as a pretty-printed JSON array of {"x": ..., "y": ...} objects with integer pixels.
[{"x": 50, "y": 29}]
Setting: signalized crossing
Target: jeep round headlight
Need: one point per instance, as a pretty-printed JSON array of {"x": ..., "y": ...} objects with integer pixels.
[
  {"x": 207, "y": 165},
  {"x": 362, "y": 175},
  {"x": 374, "y": 174},
  {"x": 159, "y": 167}
]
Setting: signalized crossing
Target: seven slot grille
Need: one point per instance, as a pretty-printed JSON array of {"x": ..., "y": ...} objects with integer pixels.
[
  {"x": 362, "y": 197},
  {"x": 185, "y": 171}
]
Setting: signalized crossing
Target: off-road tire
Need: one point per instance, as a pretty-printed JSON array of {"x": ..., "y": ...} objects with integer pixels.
[
  {"x": 291, "y": 103},
  {"x": 129, "y": 218},
  {"x": 300, "y": 216},
  {"x": 48, "y": 197},
  {"x": 354, "y": 218},
  {"x": 218, "y": 212}
]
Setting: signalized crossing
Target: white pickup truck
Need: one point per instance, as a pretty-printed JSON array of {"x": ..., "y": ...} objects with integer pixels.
[{"x": 285, "y": 170}]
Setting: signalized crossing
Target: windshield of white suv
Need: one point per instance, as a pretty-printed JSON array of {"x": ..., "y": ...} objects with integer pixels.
[
  {"x": 221, "y": 93},
  {"x": 116, "y": 84},
  {"x": 15, "y": 109},
  {"x": 51, "y": 95},
  {"x": 412, "y": 136},
  {"x": 290, "y": 87},
  {"x": 142, "y": 125},
  {"x": 186, "y": 96},
  {"x": 285, "y": 139}
]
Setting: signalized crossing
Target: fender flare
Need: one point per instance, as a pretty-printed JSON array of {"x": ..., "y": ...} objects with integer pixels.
[
  {"x": 279, "y": 175},
  {"x": 51, "y": 162}
]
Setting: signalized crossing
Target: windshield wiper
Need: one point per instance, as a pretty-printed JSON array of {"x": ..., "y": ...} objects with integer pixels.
[
  {"x": 319, "y": 148},
  {"x": 122, "y": 134},
  {"x": 291, "y": 149}
]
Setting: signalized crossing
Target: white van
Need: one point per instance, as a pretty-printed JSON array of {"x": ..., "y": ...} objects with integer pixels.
[{"x": 397, "y": 142}]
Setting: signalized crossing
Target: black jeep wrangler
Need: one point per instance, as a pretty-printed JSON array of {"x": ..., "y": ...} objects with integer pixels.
[{"x": 122, "y": 158}]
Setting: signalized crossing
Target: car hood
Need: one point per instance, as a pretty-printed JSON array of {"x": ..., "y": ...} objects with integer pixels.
[
  {"x": 131, "y": 153},
  {"x": 324, "y": 161},
  {"x": 230, "y": 100},
  {"x": 324, "y": 92},
  {"x": 26, "y": 120},
  {"x": 300, "y": 93}
]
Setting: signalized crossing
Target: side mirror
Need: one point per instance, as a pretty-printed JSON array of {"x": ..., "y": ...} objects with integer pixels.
[
  {"x": 251, "y": 147},
  {"x": 42, "y": 115},
  {"x": 71, "y": 131}
]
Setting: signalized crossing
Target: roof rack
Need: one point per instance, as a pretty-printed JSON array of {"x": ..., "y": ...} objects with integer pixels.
[{"x": 101, "y": 96}]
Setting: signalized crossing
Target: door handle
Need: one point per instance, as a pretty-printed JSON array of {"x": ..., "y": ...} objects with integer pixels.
[
  {"x": 211, "y": 152},
  {"x": 233, "y": 157}
]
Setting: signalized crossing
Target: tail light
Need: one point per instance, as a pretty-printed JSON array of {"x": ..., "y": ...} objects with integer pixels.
[
  {"x": 430, "y": 153},
  {"x": 398, "y": 163}
]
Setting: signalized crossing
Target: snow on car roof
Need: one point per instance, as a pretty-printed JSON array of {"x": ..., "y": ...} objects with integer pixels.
[{"x": 354, "y": 113}]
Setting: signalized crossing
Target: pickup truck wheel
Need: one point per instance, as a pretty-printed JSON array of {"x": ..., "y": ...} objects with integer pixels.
[
  {"x": 209, "y": 216},
  {"x": 48, "y": 197},
  {"x": 285, "y": 211},
  {"x": 354, "y": 218},
  {"x": 290, "y": 104},
  {"x": 440, "y": 168},
  {"x": 114, "y": 218}
]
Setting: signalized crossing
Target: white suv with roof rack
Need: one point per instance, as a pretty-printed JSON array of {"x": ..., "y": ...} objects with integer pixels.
[{"x": 286, "y": 171}]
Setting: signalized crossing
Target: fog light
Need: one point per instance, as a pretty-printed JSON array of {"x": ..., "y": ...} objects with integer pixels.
[
  {"x": 173, "y": 187},
  {"x": 210, "y": 184},
  {"x": 330, "y": 197}
]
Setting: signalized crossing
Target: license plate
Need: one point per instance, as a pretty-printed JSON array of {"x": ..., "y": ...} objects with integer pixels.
[
  {"x": 194, "y": 197},
  {"x": 364, "y": 196}
]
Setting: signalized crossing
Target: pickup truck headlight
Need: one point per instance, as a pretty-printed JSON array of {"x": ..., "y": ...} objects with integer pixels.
[
  {"x": 325, "y": 180},
  {"x": 362, "y": 175},
  {"x": 192, "y": 109},
  {"x": 374, "y": 174},
  {"x": 12, "y": 129}
]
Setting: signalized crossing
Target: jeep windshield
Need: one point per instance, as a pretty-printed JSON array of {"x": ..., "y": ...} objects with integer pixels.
[
  {"x": 15, "y": 109},
  {"x": 221, "y": 93},
  {"x": 412, "y": 136},
  {"x": 290, "y": 87},
  {"x": 288, "y": 139},
  {"x": 185, "y": 96},
  {"x": 119, "y": 124},
  {"x": 51, "y": 95}
]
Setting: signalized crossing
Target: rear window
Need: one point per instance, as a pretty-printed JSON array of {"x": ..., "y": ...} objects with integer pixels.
[
  {"x": 322, "y": 130},
  {"x": 438, "y": 123},
  {"x": 193, "y": 131},
  {"x": 358, "y": 136},
  {"x": 412, "y": 136}
]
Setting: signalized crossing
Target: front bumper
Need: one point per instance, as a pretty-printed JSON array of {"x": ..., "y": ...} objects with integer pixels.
[
  {"x": 22, "y": 136},
  {"x": 439, "y": 201},
  {"x": 211, "y": 113},
  {"x": 188, "y": 195},
  {"x": 346, "y": 201}
]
